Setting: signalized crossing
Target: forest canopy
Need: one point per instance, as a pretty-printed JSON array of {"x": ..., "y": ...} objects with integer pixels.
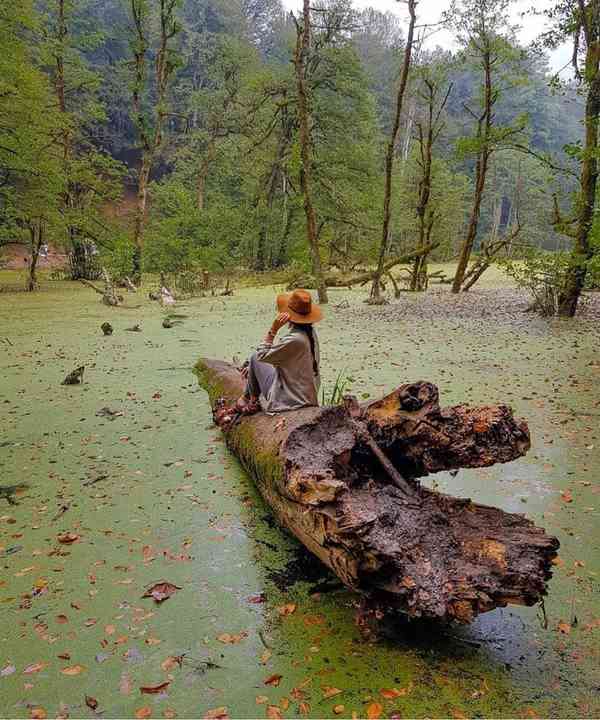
[{"x": 190, "y": 136}]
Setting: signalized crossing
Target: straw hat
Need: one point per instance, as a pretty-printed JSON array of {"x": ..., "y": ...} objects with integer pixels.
[{"x": 300, "y": 307}]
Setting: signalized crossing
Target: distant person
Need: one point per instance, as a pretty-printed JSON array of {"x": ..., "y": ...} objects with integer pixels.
[{"x": 285, "y": 375}]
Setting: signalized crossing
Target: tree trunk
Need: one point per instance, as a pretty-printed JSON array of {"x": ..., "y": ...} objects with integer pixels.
[
  {"x": 36, "y": 234},
  {"x": 389, "y": 158},
  {"x": 151, "y": 138},
  {"x": 484, "y": 137},
  {"x": 582, "y": 248},
  {"x": 427, "y": 554},
  {"x": 140, "y": 217},
  {"x": 304, "y": 120},
  {"x": 203, "y": 174}
]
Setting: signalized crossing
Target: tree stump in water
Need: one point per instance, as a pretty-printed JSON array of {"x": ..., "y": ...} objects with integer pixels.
[{"x": 428, "y": 554}]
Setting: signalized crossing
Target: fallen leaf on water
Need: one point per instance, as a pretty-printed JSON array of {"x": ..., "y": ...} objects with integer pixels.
[
  {"x": 143, "y": 712},
  {"x": 566, "y": 496},
  {"x": 91, "y": 702},
  {"x": 152, "y": 641},
  {"x": 564, "y": 627},
  {"x": 161, "y": 591},
  {"x": 155, "y": 689},
  {"x": 273, "y": 680},
  {"x": 329, "y": 692},
  {"x": 64, "y": 656},
  {"x": 274, "y": 712},
  {"x": 73, "y": 670},
  {"x": 287, "y": 609},
  {"x": 232, "y": 639},
  {"x": 125, "y": 685},
  {"x": 8, "y": 670},
  {"x": 38, "y": 713},
  {"x": 35, "y": 667},
  {"x": 374, "y": 710},
  {"x": 458, "y": 714},
  {"x": 257, "y": 599},
  {"x": 148, "y": 553},
  {"x": 219, "y": 713},
  {"x": 339, "y": 709},
  {"x": 261, "y": 699},
  {"x": 390, "y": 693},
  {"x": 110, "y": 629},
  {"x": 171, "y": 662},
  {"x": 62, "y": 619},
  {"x": 265, "y": 657},
  {"x": 169, "y": 713},
  {"x": 304, "y": 708},
  {"x": 284, "y": 703},
  {"x": 67, "y": 538}
]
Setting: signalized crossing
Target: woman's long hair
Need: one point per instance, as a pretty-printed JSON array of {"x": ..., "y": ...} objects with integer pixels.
[{"x": 308, "y": 329}]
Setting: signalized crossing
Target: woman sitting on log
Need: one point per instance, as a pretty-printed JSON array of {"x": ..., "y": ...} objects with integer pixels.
[{"x": 285, "y": 376}]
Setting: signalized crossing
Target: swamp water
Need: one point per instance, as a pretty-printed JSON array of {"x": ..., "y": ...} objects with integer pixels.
[{"x": 150, "y": 494}]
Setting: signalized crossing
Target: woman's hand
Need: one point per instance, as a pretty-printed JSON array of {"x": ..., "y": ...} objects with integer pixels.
[{"x": 281, "y": 320}]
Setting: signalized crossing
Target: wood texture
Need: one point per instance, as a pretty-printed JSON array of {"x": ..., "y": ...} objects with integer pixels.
[{"x": 429, "y": 555}]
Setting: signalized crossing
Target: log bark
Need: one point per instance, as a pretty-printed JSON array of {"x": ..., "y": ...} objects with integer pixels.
[{"x": 429, "y": 555}]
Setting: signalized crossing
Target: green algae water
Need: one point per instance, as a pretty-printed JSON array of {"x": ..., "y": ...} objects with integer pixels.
[{"x": 129, "y": 485}]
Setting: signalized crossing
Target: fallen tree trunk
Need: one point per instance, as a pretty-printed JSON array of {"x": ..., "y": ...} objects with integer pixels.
[
  {"x": 334, "y": 280},
  {"x": 429, "y": 555}
]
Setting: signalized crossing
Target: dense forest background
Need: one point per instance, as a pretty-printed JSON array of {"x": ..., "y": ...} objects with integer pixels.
[{"x": 175, "y": 127}]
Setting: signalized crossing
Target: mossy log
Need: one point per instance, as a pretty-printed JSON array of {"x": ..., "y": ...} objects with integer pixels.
[{"x": 429, "y": 555}]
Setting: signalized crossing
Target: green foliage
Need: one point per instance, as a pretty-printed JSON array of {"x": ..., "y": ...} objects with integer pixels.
[
  {"x": 340, "y": 388},
  {"x": 543, "y": 275}
]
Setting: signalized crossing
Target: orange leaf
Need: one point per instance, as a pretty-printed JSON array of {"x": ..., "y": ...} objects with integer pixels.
[
  {"x": 91, "y": 702},
  {"x": 459, "y": 715},
  {"x": 329, "y": 692},
  {"x": 62, "y": 619},
  {"x": 38, "y": 713},
  {"x": 67, "y": 538},
  {"x": 273, "y": 680},
  {"x": 287, "y": 609},
  {"x": 143, "y": 712},
  {"x": 155, "y": 689},
  {"x": 171, "y": 662},
  {"x": 110, "y": 629},
  {"x": 338, "y": 709},
  {"x": 73, "y": 670},
  {"x": 161, "y": 591},
  {"x": 304, "y": 708},
  {"x": 374, "y": 711},
  {"x": 125, "y": 685},
  {"x": 228, "y": 639},
  {"x": 564, "y": 627},
  {"x": 219, "y": 713},
  {"x": 274, "y": 712},
  {"x": 36, "y": 667},
  {"x": 390, "y": 694},
  {"x": 265, "y": 657}
]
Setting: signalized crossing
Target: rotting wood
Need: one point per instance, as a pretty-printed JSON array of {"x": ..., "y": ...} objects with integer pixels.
[{"x": 430, "y": 555}]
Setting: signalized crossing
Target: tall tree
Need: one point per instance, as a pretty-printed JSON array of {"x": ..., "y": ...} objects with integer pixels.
[
  {"x": 580, "y": 20},
  {"x": 91, "y": 177},
  {"x": 301, "y": 60},
  {"x": 433, "y": 93},
  {"x": 390, "y": 154},
  {"x": 150, "y": 125},
  {"x": 483, "y": 28}
]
